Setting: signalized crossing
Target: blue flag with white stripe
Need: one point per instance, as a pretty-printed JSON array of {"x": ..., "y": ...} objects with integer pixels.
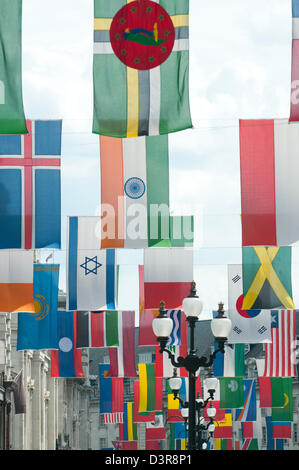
[
  {"x": 175, "y": 335},
  {"x": 39, "y": 330},
  {"x": 91, "y": 272}
]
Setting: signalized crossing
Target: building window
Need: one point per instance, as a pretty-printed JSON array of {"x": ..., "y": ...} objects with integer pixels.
[
  {"x": 295, "y": 433},
  {"x": 145, "y": 358},
  {"x": 103, "y": 443},
  {"x": 264, "y": 435}
]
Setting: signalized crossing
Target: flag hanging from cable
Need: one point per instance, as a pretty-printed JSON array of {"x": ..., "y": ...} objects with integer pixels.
[
  {"x": 267, "y": 277},
  {"x": 30, "y": 187},
  {"x": 91, "y": 272},
  {"x": 12, "y": 118},
  {"x": 111, "y": 396},
  {"x": 141, "y": 67},
  {"x": 16, "y": 281},
  {"x": 39, "y": 330}
]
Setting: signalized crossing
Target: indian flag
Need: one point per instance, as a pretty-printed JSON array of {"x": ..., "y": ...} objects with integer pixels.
[
  {"x": 141, "y": 67},
  {"x": 134, "y": 191}
]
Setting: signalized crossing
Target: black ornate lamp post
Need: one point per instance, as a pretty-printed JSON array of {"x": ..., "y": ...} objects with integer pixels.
[{"x": 162, "y": 327}]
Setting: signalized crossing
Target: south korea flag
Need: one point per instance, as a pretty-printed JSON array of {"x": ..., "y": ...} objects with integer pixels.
[{"x": 248, "y": 326}]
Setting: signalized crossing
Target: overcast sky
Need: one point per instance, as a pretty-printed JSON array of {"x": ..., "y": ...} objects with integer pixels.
[{"x": 240, "y": 67}]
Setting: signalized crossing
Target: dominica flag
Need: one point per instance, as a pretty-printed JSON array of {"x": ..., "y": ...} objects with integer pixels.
[
  {"x": 269, "y": 172},
  {"x": 267, "y": 277},
  {"x": 39, "y": 330},
  {"x": 30, "y": 187},
  {"x": 16, "y": 281},
  {"x": 12, "y": 118},
  {"x": 91, "y": 272},
  {"x": 141, "y": 67},
  {"x": 128, "y": 431},
  {"x": 150, "y": 389}
]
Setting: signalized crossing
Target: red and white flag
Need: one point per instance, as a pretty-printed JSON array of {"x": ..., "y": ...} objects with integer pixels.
[
  {"x": 122, "y": 358},
  {"x": 269, "y": 168},
  {"x": 168, "y": 273},
  {"x": 113, "y": 418},
  {"x": 280, "y": 355}
]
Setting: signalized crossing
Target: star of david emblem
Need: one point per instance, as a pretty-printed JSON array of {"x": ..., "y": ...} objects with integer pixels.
[{"x": 91, "y": 265}]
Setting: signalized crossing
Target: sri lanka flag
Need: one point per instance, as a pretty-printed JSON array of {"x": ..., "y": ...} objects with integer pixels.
[
  {"x": 141, "y": 67},
  {"x": 30, "y": 188},
  {"x": 66, "y": 361},
  {"x": 39, "y": 330}
]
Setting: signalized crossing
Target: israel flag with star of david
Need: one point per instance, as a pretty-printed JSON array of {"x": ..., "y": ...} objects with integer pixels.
[{"x": 91, "y": 272}]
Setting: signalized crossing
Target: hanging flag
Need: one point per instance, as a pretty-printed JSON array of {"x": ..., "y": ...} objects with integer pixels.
[
  {"x": 248, "y": 326},
  {"x": 12, "y": 118},
  {"x": 248, "y": 413},
  {"x": 16, "y": 281},
  {"x": 39, "y": 330},
  {"x": 146, "y": 335},
  {"x": 150, "y": 389},
  {"x": 269, "y": 175},
  {"x": 91, "y": 272},
  {"x": 141, "y": 68},
  {"x": 231, "y": 392},
  {"x": 231, "y": 363},
  {"x": 285, "y": 413},
  {"x": 111, "y": 392},
  {"x": 97, "y": 329},
  {"x": 19, "y": 394},
  {"x": 134, "y": 191},
  {"x": 224, "y": 429},
  {"x": 282, "y": 430},
  {"x": 152, "y": 445},
  {"x": 177, "y": 436},
  {"x": 280, "y": 354},
  {"x": 155, "y": 430},
  {"x": 168, "y": 273},
  {"x": 223, "y": 444},
  {"x": 67, "y": 360},
  {"x": 272, "y": 443},
  {"x": 294, "y": 111},
  {"x": 122, "y": 358},
  {"x": 112, "y": 418},
  {"x": 249, "y": 444},
  {"x": 163, "y": 365},
  {"x": 30, "y": 187},
  {"x": 271, "y": 392},
  {"x": 128, "y": 431},
  {"x": 267, "y": 277},
  {"x": 143, "y": 417}
]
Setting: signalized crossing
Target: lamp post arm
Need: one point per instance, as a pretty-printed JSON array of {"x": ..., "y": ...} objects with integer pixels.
[{"x": 176, "y": 363}]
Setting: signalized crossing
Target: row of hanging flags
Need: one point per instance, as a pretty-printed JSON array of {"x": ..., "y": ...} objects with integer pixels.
[{"x": 140, "y": 70}]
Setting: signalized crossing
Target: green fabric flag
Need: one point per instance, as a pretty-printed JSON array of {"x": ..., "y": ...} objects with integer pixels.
[
  {"x": 231, "y": 392},
  {"x": 141, "y": 67},
  {"x": 240, "y": 360},
  {"x": 267, "y": 279},
  {"x": 284, "y": 413},
  {"x": 12, "y": 118}
]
